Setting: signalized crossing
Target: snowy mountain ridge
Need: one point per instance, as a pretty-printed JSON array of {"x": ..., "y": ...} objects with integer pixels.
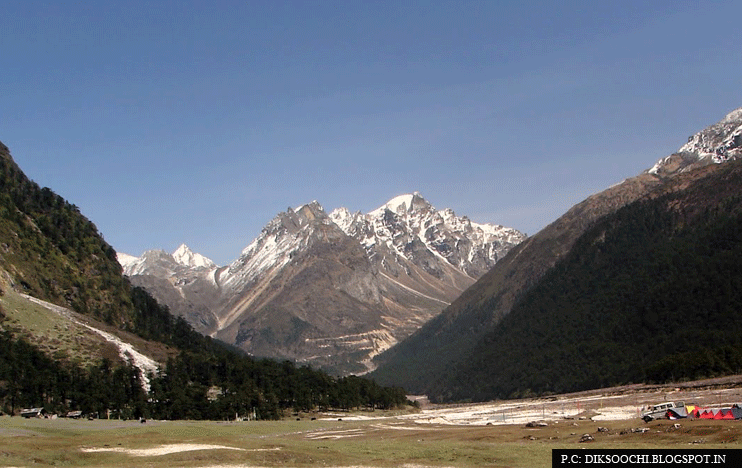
[
  {"x": 715, "y": 144},
  {"x": 183, "y": 257},
  {"x": 323, "y": 287},
  {"x": 411, "y": 217}
]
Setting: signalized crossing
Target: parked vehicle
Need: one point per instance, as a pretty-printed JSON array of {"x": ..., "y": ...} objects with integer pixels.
[{"x": 660, "y": 411}]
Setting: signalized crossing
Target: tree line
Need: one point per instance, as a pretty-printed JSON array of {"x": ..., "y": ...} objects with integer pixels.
[
  {"x": 207, "y": 379},
  {"x": 207, "y": 384}
]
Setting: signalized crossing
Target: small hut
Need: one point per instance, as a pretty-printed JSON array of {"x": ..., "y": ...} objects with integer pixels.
[{"x": 32, "y": 412}]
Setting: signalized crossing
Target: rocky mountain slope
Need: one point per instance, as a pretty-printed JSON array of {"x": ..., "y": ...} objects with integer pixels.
[
  {"x": 450, "y": 337},
  {"x": 332, "y": 290},
  {"x": 182, "y": 281},
  {"x": 718, "y": 143}
]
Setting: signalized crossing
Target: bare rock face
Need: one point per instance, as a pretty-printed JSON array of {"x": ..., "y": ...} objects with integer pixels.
[{"x": 331, "y": 290}]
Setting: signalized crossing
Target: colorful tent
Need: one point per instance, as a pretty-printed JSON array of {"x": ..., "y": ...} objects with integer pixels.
[
  {"x": 719, "y": 413},
  {"x": 677, "y": 413}
]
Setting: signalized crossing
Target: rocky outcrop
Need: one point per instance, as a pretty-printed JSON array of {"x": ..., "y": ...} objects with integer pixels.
[{"x": 716, "y": 144}]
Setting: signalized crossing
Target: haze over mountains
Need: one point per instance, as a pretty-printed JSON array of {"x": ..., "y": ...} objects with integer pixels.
[{"x": 332, "y": 290}]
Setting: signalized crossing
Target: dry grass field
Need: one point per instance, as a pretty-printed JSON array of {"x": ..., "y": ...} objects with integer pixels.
[{"x": 455, "y": 436}]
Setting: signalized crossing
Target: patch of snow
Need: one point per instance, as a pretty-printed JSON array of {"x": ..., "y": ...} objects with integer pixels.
[
  {"x": 524, "y": 411},
  {"x": 126, "y": 260},
  {"x": 145, "y": 364},
  {"x": 733, "y": 116},
  {"x": 167, "y": 449},
  {"x": 343, "y": 219}
]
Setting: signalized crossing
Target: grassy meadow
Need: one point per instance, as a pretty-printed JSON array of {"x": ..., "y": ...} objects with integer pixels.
[{"x": 387, "y": 442}]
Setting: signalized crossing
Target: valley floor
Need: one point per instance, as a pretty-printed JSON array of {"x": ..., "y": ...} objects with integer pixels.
[
  {"x": 608, "y": 404},
  {"x": 491, "y": 434}
]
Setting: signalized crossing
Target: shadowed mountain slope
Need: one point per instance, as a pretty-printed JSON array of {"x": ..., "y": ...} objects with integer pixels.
[{"x": 449, "y": 339}]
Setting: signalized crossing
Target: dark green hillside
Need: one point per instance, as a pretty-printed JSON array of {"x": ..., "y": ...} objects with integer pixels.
[
  {"x": 262, "y": 389},
  {"x": 448, "y": 338},
  {"x": 649, "y": 293},
  {"x": 53, "y": 252}
]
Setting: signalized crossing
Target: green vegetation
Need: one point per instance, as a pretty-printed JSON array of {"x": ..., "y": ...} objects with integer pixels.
[
  {"x": 261, "y": 389},
  {"x": 29, "y": 378},
  {"x": 52, "y": 252},
  {"x": 649, "y": 293},
  {"x": 244, "y": 386},
  {"x": 52, "y": 333}
]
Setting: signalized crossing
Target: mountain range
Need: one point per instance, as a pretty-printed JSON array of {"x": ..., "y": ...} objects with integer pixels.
[
  {"x": 329, "y": 289},
  {"x": 75, "y": 335},
  {"x": 466, "y": 338},
  {"x": 637, "y": 283}
]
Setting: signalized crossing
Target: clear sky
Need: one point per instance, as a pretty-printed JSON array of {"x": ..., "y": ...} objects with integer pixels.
[{"x": 198, "y": 121}]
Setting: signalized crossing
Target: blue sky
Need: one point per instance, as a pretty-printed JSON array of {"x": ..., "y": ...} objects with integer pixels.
[{"x": 197, "y": 122}]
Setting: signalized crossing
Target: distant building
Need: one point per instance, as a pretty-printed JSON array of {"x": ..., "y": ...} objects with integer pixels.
[{"x": 32, "y": 412}]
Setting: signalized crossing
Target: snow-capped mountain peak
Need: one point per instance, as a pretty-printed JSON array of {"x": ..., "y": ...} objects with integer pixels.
[
  {"x": 161, "y": 263},
  {"x": 344, "y": 218},
  {"x": 408, "y": 222},
  {"x": 186, "y": 257},
  {"x": 715, "y": 144},
  {"x": 126, "y": 260},
  {"x": 406, "y": 203},
  {"x": 313, "y": 206}
]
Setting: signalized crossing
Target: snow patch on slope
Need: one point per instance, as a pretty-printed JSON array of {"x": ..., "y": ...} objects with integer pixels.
[{"x": 145, "y": 364}]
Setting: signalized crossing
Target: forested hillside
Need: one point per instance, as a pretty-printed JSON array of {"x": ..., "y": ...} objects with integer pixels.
[
  {"x": 448, "y": 339},
  {"x": 454, "y": 338},
  {"x": 50, "y": 251},
  {"x": 53, "y": 252},
  {"x": 209, "y": 382},
  {"x": 650, "y": 293}
]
